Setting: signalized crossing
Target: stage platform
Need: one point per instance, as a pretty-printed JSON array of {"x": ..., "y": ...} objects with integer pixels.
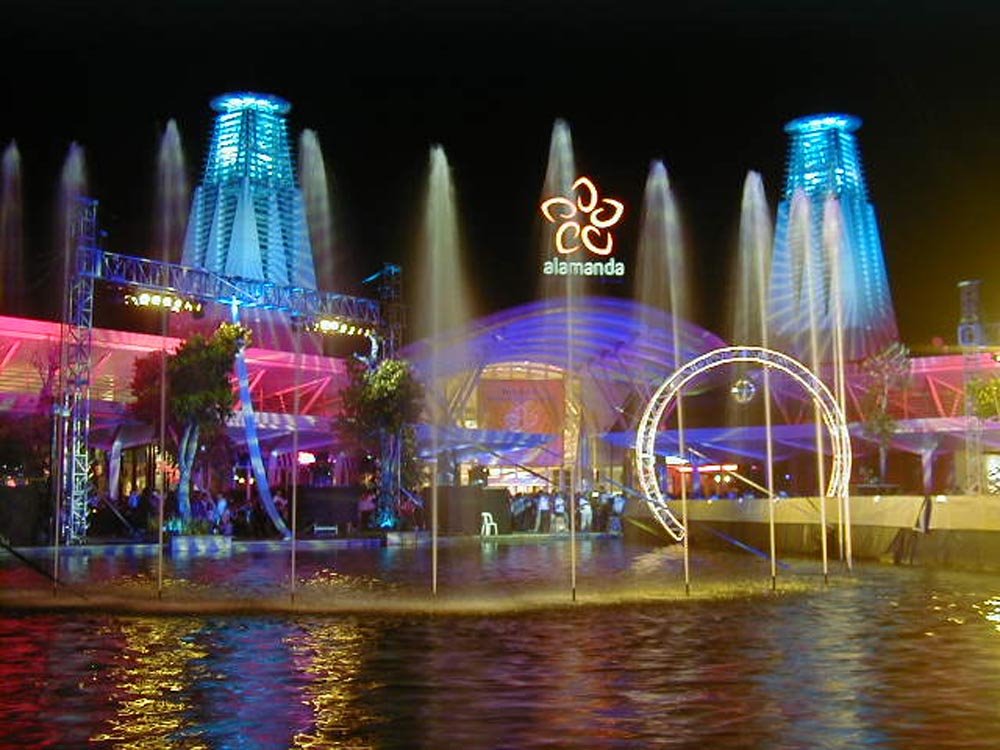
[{"x": 955, "y": 531}]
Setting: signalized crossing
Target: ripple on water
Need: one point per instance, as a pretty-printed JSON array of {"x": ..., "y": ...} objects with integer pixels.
[{"x": 635, "y": 663}]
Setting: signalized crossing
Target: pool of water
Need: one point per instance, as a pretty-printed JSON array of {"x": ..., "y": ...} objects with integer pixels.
[{"x": 886, "y": 657}]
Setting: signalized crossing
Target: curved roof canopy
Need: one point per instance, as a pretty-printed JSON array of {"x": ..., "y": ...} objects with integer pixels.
[{"x": 612, "y": 340}]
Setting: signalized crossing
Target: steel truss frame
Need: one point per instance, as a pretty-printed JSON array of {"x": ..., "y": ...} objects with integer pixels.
[
  {"x": 75, "y": 397},
  {"x": 832, "y": 415},
  {"x": 91, "y": 263}
]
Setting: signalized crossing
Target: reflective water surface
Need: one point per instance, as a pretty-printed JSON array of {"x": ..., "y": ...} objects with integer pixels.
[{"x": 887, "y": 658}]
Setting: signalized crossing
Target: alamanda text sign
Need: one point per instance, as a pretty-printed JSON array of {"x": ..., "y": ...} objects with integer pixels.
[{"x": 583, "y": 241}]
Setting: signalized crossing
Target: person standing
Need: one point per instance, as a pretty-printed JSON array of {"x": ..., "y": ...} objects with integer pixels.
[
  {"x": 586, "y": 512},
  {"x": 543, "y": 516},
  {"x": 559, "y": 513}
]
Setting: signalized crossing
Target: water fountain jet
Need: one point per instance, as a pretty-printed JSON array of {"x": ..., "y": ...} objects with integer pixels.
[
  {"x": 315, "y": 187},
  {"x": 749, "y": 323},
  {"x": 560, "y": 173},
  {"x": 662, "y": 283},
  {"x": 444, "y": 308},
  {"x": 171, "y": 204},
  {"x": 12, "y": 292}
]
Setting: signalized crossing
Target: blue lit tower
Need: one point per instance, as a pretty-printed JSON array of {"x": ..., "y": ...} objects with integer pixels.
[
  {"x": 826, "y": 237},
  {"x": 247, "y": 217}
]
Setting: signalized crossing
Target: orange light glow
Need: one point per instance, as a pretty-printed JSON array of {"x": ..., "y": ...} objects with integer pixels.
[
  {"x": 617, "y": 208},
  {"x": 567, "y": 209},
  {"x": 592, "y": 246},
  {"x": 574, "y": 228},
  {"x": 571, "y": 233},
  {"x": 585, "y": 205}
]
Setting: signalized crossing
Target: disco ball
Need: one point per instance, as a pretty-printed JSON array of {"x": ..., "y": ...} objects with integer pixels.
[{"x": 743, "y": 391}]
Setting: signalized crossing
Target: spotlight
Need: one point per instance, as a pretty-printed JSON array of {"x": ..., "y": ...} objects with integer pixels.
[
  {"x": 334, "y": 326},
  {"x": 142, "y": 298}
]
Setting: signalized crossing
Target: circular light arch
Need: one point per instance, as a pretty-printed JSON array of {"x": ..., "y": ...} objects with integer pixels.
[{"x": 831, "y": 413}]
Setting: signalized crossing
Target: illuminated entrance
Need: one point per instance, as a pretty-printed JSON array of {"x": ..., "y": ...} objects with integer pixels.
[{"x": 830, "y": 411}]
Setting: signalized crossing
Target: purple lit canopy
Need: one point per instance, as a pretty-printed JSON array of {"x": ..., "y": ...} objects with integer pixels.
[{"x": 617, "y": 350}]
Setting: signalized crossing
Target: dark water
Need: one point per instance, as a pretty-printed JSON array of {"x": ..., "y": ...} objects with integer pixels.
[{"x": 887, "y": 658}]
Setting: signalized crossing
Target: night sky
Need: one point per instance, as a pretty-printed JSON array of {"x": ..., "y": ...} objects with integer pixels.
[{"x": 706, "y": 88}]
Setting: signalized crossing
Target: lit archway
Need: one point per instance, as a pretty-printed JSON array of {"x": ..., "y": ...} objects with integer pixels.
[{"x": 831, "y": 413}]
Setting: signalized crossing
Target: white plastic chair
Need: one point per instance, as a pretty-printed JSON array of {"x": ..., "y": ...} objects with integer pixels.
[{"x": 488, "y": 526}]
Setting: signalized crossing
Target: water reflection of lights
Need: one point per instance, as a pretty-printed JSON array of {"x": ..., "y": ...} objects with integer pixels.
[
  {"x": 990, "y": 610},
  {"x": 151, "y": 681},
  {"x": 331, "y": 655}
]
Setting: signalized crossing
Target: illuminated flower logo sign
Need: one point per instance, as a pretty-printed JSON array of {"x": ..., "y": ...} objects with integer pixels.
[{"x": 583, "y": 223}]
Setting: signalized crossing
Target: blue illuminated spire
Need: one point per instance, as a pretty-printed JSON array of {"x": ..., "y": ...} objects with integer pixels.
[
  {"x": 247, "y": 217},
  {"x": 826, "y": 236}
]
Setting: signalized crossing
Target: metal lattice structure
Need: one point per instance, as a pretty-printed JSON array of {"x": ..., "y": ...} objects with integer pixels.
[
  {"x": 645, "y": 455},
  {"x": 390, "y": 293},
  {"x": 92, "y": 264},
  {"x": 75, "y": 397},
  {"x": 206, "y": 286}
]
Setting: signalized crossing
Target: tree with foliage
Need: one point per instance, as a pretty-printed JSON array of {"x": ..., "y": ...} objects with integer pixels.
[
  {"x": 381, "y": 406},
  {"x": 200, "y": 394},
  {"x": 986, "y": 398},
  {"x": 884, "y": 371}
]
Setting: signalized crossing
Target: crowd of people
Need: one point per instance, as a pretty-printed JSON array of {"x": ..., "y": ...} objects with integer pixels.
[
  {"x": 542, "y": 511},
  {"x": 136, "y": 514},
  {"x": 237, "y": 513}
]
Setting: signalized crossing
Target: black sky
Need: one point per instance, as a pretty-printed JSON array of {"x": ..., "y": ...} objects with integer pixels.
[{"x": 706, "y": 86}]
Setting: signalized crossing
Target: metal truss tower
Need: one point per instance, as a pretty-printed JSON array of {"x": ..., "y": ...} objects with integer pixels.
[
  {"x": 75, "y": 360},
  {"x": 91, "y": 264},
  {"x": 823, "y": 162},
  {"x": 390, "y": 294}
]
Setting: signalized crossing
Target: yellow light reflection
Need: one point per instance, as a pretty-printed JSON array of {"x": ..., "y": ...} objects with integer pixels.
[
  {"x": 990, "y": 610},
  {"x": 151, "y": 683},
  {"x": 332, "y": 655}
]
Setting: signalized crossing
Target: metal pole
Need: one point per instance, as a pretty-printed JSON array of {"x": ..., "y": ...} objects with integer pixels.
[
  {"x": 770, "y": 475},
  {"x": 761, "y": 275},
  {"x": 572, "y": 531},
  {"x": 682, "y": 449},
  {"x": 567, "y": 400},
  {"x": 846, "y": 502},
  {"x": 296, "y": 333},
  {"x": 840, "y": 384},
  {"x": 434, "y": 520},
  {"x": 163, "y": 455},
  {"x": 60, "y": 437},
  {"x": 821, "y": 480},
  {"x": 62, "y": 424}
]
